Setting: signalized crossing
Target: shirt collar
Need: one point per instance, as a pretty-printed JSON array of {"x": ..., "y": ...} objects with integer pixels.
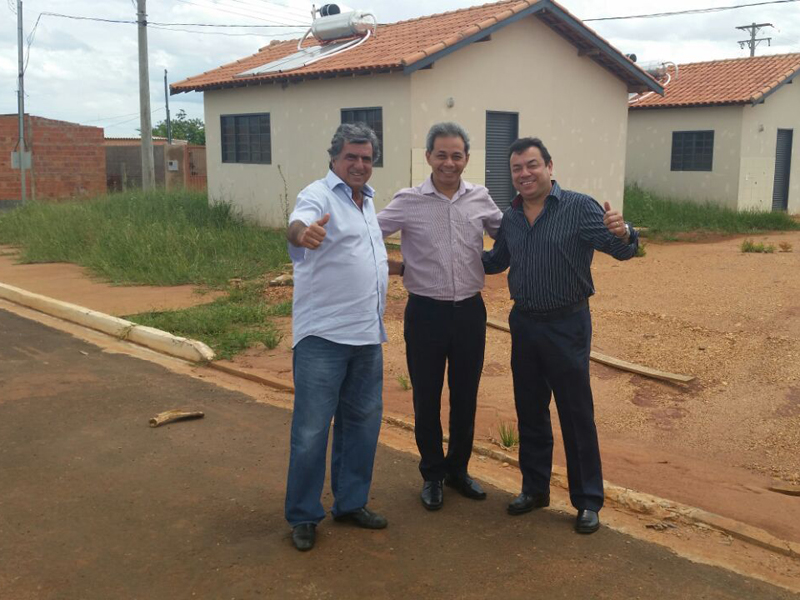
[
  {"x": 555, "y": 192},
  {"x": 333, "y": 181},
  {"x": 428, "y": 188}
]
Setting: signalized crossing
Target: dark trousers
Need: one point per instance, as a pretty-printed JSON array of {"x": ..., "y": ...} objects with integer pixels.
[
  {"x": 439, "y": 333},
  {"x": 552, "y": 355}
]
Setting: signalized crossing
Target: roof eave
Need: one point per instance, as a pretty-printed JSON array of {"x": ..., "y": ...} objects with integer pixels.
[
  {"x": 688, "y": 105},
  {"x": 284, "y": 79},
  {"x": 760, "y": 97},
  {"x": 637, "y": 79},
  {"x": 480, "y": 34}
]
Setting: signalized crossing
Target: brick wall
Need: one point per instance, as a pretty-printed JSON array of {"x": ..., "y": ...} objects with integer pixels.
[{"x": 69, "y": 160}]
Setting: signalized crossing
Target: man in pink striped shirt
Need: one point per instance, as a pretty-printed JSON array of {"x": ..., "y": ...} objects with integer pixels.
[{"x": 442, "y": 223}]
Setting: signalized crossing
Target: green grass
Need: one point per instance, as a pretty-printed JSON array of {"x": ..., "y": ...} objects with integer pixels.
[
  {"x": 508, "y": 434},
  {"x": 405, "y": 383},
  {"x": 667, "y": 219},
  {"x": 164, "y": 238},
  {"x": 157, "y": 238},
  {"x": 228, "y": 325},
  {"x": 757, "y": 247}
]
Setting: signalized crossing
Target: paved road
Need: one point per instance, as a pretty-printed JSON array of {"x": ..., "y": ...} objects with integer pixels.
[{"x": 94, "y": 504}]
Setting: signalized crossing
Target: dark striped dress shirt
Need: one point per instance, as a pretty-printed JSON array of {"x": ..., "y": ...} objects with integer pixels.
[{"x": 551, "y": 260}]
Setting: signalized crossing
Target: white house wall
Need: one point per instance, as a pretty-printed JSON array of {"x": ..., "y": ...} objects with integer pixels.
[
  {"x": 303, "y": 118},
  {"x": 760, "y": 127},
  {"x": 577, "y": 108},
  {"x": 650, "y": 151}
]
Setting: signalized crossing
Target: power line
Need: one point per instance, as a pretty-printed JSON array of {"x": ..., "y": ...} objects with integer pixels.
[
  {"x": 130, "y": 22},
  {"x": 194, "y": 31},
  {"x": 280, "y": 8},
  {"x": 214, "y": 7},
  {"x": 265, "y": 9},
  {"x": 694, "y": 11}
]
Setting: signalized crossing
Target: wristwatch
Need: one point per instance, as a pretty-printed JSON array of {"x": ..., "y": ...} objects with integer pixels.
[{"x": 629, "y": 229}]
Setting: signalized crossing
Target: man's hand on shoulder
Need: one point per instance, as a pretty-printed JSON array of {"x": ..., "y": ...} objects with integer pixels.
[
  {"x": 613, "y": 220},
  {"x": 308, "y": 236}
]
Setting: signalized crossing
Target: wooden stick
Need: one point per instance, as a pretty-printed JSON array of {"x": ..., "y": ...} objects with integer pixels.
[
  {"x": 616, "y": 362},
  {"x": 174, "y": 415}
]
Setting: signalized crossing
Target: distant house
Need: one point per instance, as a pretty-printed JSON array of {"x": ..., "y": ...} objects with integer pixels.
[
  {"x": 68, "y": 160},
  {"x": 723, "y": 131},
  {"x": 514, "y": 68},
  {"x": 176, "y": 165}
]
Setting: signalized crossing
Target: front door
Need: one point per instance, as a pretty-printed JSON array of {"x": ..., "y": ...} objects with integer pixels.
[
  {"x": 501, "y": 130},
  {"x": 783, "y": 165}
]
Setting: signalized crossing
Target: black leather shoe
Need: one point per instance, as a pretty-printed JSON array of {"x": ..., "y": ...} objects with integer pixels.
[
  {"x": 363, "y": 517},
  {"x": 466, "y": 486},
  {"x": 526, "y": 503},
  {"x": 587, "y": 521},
  {"x": 304, "y": 535},
  {"x": 432, "y": 495}
]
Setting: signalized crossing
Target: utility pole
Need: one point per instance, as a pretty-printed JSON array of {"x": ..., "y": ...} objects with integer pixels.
[
  {"x": 148, "y": 164},
  {"x": 21, "y": 105},
  {"x": 753, "y": 42},
  {"x": 166, "y": 99}
]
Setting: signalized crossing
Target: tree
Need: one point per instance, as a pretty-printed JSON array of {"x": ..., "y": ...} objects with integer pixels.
[{"x": 191, "y": 130}]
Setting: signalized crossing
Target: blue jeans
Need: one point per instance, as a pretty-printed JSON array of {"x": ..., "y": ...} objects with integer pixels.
[{"x": 341, "y": 383}]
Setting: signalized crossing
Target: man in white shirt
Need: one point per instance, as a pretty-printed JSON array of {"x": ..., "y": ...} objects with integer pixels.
[{"x": 340, "y": 278}]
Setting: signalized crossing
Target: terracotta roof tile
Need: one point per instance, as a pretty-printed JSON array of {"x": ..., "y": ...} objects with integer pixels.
[
  {"x": 730, "y": 81},
  {"x": 394, "y": 47}
]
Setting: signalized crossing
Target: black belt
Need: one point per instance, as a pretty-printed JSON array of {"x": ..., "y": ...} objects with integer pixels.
[
  {"x": 454, "y": 303},
  {"x": 552, "y": 315}
]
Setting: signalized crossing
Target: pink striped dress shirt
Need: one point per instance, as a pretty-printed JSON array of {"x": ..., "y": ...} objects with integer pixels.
[{"x": 442, "y": 238}]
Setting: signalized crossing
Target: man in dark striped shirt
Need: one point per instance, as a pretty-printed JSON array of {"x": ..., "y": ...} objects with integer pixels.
[{"x": 548, "y": 238}]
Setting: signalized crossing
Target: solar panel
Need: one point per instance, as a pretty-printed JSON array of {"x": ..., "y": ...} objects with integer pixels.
[{"x": 294, "y": 61}]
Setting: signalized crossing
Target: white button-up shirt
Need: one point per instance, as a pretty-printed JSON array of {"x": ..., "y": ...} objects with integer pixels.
[{"x": 339, "y": 288}]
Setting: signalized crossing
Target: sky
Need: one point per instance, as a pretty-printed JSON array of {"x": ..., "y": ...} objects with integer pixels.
[{"x": 86, "y": 71}]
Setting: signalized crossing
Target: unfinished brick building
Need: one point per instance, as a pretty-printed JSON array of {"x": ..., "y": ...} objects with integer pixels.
[{"x": 69, "y": 160}]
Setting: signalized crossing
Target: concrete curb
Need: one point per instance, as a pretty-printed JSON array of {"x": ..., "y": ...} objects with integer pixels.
[
  {"x": 154, "y": 339},
  {"x": 198, "y": 352}
]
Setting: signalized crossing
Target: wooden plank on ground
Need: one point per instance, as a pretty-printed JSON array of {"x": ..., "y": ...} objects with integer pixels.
[{"x": 616, "y": 362}]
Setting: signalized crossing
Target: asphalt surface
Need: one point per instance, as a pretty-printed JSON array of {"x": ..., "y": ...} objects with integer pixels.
[{"x": 95, "y": 504}]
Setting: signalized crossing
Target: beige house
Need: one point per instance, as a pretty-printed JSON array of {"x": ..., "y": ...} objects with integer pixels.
[
  {"x": 503, "y": 70},
  {"x": 722, "y": 132}
]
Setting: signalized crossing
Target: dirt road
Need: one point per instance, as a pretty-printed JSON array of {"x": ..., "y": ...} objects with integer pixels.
[{"x": 96, "y": 505}]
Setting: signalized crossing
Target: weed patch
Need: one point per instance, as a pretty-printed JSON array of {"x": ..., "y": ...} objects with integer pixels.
[
  {"x": 757, "y": 247},
  {"x": 665, "y": 218},
  {"x": 155, "y": 238}
]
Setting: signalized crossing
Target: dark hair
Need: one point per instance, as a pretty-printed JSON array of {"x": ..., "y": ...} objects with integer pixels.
[
  {"x": 522, "y": 144},
  {"x": 354, "y": 133},
  {"x": 446, "y": 130}
]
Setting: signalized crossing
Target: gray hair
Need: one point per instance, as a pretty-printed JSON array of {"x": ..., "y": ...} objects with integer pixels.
[
  {"x": 448, "y": 129},
  {"x": 354, "y": 133}
]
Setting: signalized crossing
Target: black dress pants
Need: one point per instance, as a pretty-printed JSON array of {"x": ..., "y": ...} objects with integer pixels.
[
  {"x": 440, "y": 333},
  {"x": 552, "y": 355}
]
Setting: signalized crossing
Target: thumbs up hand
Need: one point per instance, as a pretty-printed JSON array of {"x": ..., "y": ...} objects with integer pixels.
[
  {"x": 614, "y": 222},
  {"x": 314, "y": 234}
]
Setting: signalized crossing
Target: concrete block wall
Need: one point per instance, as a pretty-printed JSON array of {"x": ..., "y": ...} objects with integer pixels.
[{"x": 69, "y": 160}]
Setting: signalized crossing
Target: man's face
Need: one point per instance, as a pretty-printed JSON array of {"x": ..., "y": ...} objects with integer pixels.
[
  {"x": 447, "y": 161},
  {"x": 354, "y": 164},
  {"x": 530, "y": 174}
]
